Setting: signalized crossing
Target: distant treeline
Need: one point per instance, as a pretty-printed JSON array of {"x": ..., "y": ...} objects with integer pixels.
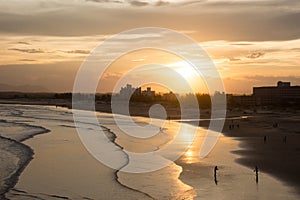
[{"x": 204, "y": 100}]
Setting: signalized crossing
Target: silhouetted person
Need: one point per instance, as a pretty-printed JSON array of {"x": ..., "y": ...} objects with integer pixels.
[
  {"x": 256, "y": 173},
  {"x": 229, "y": 126},
  {"x": 238, "y": 126},
  {"x": 215, "y": 174},
  {"x": 216, "y": 181},
  {"x": 265, "y": 139},
  {"x": 284, "y": 140}
]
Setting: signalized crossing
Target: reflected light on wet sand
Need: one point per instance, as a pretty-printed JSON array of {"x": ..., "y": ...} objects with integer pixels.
[{"x": 189, "y": 157}]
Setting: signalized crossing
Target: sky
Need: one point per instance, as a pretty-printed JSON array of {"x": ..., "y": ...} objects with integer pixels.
[{"x": 251, "y": 42}]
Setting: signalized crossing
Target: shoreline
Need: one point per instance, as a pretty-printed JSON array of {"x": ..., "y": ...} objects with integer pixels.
[
  {"x": 250, "y": 155},
  {"x": 113, "y": 140},
  {"x": 14, "y": 145},
  {"x": 37, "y": 191},
  {"x": 172, "y": 186},
  {"x": 25, "y": 155}
]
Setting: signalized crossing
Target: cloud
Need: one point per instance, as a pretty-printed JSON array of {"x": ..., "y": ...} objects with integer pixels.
[
  {"x": 27, "y": 60},
  {"x": 28, "y": 50},
  {"x": 187, "y": 3},
  {"x": 138, "y": 3},
  {"x": 246, "y": 4},
  {"x": 233, "y": 59},
  {"x": 138, "y": 60},
  {"x": 114, "y": 75},
  {"x": 162, "y": 3},
  {"x": 241, "y": 44},
  {"x": 105, "y": 1},
  {"x": 77, "y": 51},
  {"x": 26, "y": 43},
  {"x": 255, "y": 55},
  {"x": 232, "y": 21}
]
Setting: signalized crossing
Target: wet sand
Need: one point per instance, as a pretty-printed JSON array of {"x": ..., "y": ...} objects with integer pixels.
[
  {"x": 233, "y": 180},
  {"x": 14, "y": 155},
  {"x": 275, "y": 156},
  {"x": 62, "y": 167}
]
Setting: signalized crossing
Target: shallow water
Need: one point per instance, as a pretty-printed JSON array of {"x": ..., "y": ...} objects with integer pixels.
[{"x": 63, "y": 167}]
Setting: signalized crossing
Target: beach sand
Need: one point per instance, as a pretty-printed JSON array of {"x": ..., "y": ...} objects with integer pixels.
[
  {"x": 276, "y": 157},
  {"x": 233, "y": 180},
  {"x": 63, "y": 168}
]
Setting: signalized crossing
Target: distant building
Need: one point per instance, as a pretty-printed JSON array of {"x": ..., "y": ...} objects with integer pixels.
[
  {"x": 138, "y": 91},
  {"x": 169, "y": 96},
  {"x": 245, "y": 100},
  {"x": 148, "y": 93},
  {"x": 283, "y": 93},
  {"x": 129, "y": 91}
]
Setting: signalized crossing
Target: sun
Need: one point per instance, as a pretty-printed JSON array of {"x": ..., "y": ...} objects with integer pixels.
[
  {"x": 186, "y": 70},
  {"x": 190, "y": 74}
]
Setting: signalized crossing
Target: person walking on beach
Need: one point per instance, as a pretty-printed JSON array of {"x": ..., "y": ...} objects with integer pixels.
[
  {"x": 265, "y": 139},
  {"x": 256, "y": 173},
  {"x": 284, "y": 140},
  {"x": 215, "y": 175}
]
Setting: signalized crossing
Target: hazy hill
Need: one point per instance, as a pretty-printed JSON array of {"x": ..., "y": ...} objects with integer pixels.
[{"x": 22, "y": 88}]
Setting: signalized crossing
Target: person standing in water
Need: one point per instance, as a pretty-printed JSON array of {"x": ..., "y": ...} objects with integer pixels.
[
  {"x": 256, "y": 173},
  {"x": 215, "y": 174}
]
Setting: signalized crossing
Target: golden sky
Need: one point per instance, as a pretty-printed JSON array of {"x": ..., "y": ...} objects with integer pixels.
[{"x": 252, "y": 43}]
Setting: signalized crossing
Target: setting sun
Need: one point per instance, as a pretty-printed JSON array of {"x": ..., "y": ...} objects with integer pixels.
[{"x": 185, "y": 69}]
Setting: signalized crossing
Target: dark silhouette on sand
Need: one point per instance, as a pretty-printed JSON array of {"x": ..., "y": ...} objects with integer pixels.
[
  {"x": 215, "y": 175},
  {"x": 284, "y": 140},
  {"x": 256, "y": 173}
]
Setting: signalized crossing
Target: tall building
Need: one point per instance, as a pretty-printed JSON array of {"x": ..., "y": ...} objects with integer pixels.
[
  {"x": 127, "y": 91},
  {"x": 148, "y": 93}
]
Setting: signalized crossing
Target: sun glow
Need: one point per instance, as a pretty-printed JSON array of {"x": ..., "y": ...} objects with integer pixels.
[
  {"x": 189, "y": 73},
  {"x": 185, "y": 70},
  {"x": 189, "y": 153},
  {"x": 189, "y": 156}
]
